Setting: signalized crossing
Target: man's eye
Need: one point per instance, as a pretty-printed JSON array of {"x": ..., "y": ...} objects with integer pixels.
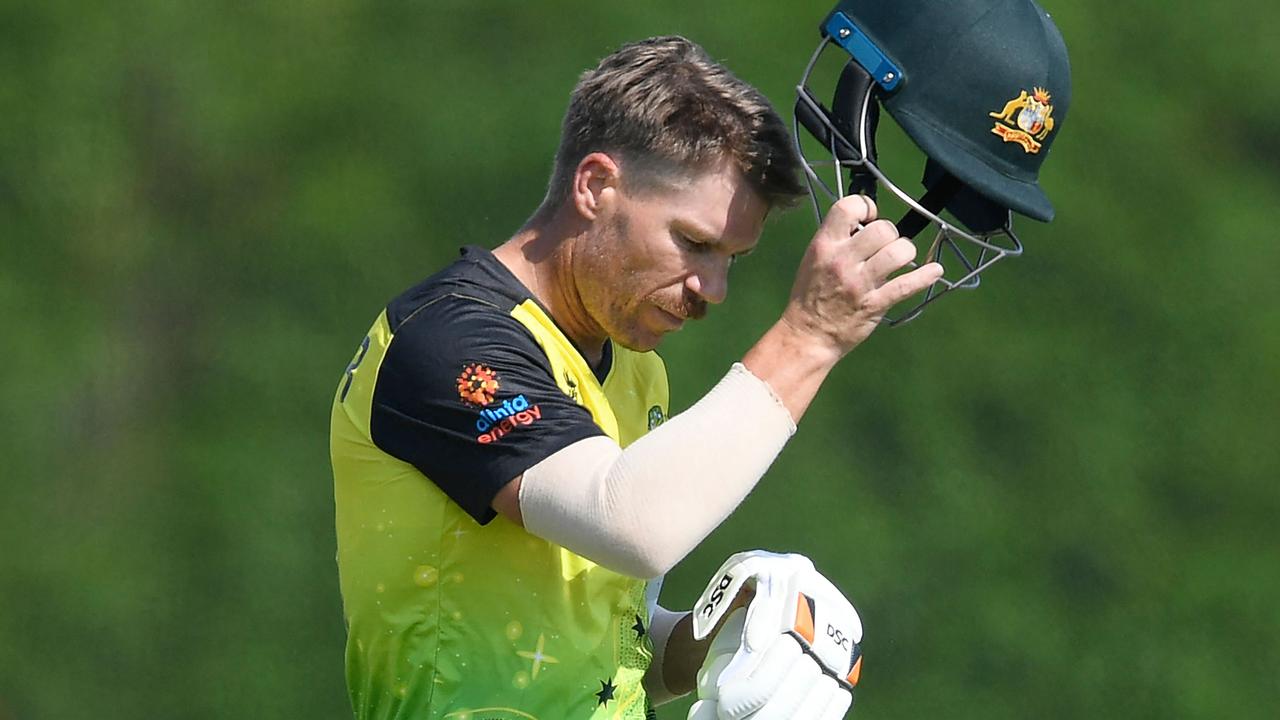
[{"x": 692, "y": 244}]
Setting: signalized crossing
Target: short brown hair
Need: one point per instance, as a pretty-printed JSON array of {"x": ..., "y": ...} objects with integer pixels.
[{"x": 666, "y": 110}]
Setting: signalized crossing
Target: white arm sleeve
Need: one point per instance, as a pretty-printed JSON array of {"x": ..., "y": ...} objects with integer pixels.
[
  {"x": 639, "y": 511},
  {"x": 661, "y": 624}
]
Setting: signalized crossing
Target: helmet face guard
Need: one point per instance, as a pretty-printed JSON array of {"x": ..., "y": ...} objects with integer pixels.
[{"x": 980, "y": 231}]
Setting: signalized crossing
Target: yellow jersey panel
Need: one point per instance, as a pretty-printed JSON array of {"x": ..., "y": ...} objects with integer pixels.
[{"x": 462, "y": 384}]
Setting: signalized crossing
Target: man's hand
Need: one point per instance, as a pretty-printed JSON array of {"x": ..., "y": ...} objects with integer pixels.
[
  {"x": 843, "y": 287},
  {"x": 792, "y": 653}
]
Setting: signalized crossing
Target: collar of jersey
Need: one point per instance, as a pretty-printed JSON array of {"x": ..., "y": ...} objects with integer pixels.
[{"x": 520, "y": 293}]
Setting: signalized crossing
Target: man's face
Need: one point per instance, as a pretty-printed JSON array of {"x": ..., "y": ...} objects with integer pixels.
[{"x": 659, "y": 258}]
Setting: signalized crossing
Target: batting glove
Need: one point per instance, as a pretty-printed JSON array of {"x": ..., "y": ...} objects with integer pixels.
[{"x": 792, "y": 653}]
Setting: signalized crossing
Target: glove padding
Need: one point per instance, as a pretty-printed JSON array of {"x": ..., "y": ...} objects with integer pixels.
[{"x": 793, "y": 652}]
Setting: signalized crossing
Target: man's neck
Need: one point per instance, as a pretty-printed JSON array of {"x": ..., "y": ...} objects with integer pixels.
[{"x": 540, "y": 255}]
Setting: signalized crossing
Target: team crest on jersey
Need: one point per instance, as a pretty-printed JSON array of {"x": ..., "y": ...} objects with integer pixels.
[
  {"x": 656, "y": 416},
  {"x": 477, "y": 384},
  {"x": 571, "y": 387},
  {"x": 1026, "y": 120}
]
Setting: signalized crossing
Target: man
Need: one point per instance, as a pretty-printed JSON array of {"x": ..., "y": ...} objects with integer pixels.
[
  {"x": 510, "y": 581},
  {"x": 506, "y": 477}
]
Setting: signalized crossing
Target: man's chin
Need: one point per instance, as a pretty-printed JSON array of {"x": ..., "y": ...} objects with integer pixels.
[
  {"x": 640, "y": 341},
  {"x": 638, "y": 346},
  {"x": 646, "y": 330}
]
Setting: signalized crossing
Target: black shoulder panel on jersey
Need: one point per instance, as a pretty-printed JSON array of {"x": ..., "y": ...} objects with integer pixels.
[
  {"x": 477, "y": 275},
  {"x": 466, "y": 395}
]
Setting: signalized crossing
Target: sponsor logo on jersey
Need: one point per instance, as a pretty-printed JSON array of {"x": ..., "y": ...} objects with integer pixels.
[
  {"x": 491, "y": 416},
  {"x": 656, "y": 416},
  {"x": 477, "y": 384},
  {"x": 494, "y": 430},
  {"x": 1026, "y": 120}
]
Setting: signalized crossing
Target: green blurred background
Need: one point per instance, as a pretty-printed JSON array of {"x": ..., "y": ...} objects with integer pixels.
[{"x": 1051, "y": 498}]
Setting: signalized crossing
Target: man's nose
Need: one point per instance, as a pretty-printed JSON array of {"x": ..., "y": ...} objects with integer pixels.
[{"x": 711, "y": 283}]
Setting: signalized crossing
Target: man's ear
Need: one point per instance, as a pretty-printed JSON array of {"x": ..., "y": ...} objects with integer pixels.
[{"x": 595, "y": 185}]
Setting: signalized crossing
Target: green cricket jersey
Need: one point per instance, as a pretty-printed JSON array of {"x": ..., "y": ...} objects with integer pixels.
[{"x": 462, "y": 384}]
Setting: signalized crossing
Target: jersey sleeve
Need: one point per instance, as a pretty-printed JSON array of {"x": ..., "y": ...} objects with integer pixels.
[{"x": 467, "y": 396}]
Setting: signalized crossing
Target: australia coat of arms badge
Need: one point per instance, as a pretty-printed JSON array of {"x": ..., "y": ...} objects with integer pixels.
[{"x": 1026, "y": 120}]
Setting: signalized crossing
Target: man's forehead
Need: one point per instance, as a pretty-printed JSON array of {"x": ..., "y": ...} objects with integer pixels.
[{"x": 722, "y": 207}]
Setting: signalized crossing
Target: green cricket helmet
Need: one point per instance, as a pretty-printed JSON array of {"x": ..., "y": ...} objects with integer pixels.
[{"x": 980, "y": 86}]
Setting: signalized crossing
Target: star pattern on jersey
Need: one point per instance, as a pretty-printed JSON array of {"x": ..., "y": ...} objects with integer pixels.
[
  {"x": 639, "y": 628},
  {"x": 537, "y": 656},
  {"x": 606, "y": 692}
]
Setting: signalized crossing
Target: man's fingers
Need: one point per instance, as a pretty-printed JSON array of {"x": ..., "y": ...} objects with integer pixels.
[
  {"x": 892, "y": 257},
  {"x": 871, "y": 239},
  {"x": 847, "y": 215},
  {"x": 908, "y": 284}
]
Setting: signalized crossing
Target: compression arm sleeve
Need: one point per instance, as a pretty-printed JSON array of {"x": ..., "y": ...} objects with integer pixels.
[
  {"x": 661, "y": 625},
  {"x": 639, "y": 511}
]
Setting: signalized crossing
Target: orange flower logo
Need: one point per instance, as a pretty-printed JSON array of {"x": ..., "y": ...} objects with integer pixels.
[{"x": 477, "y": 384}]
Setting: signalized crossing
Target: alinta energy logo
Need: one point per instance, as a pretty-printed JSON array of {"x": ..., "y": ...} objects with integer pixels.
[
  {"x": 498, "y": 420},
  {"x": 478, "y": 385}
]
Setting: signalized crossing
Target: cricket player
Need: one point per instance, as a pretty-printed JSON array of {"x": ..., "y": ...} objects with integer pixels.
[{"x": 509, "y": 486}]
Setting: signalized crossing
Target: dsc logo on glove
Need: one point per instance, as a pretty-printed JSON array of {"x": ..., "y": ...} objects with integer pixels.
[
  {"x": 839, "y": 637},
  {"x": 718, "y": 596}
]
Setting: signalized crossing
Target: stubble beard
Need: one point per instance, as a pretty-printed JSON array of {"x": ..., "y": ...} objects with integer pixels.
[{"x": 614, "y": 300}]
